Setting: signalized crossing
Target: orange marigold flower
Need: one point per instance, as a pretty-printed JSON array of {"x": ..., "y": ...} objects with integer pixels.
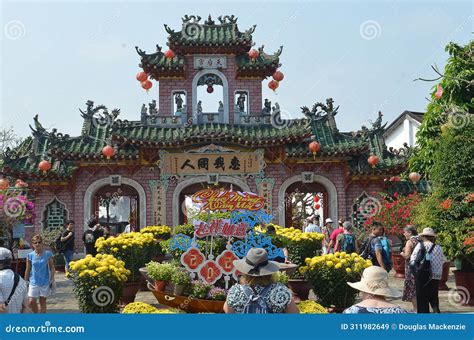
[{"x": 446, "y": 204}]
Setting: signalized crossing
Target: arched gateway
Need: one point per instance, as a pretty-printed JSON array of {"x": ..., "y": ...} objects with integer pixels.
[{"x": 176, "y": 145}]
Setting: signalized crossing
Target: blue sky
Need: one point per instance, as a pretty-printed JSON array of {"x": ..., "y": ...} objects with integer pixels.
[{"x": 57, "y": 55}]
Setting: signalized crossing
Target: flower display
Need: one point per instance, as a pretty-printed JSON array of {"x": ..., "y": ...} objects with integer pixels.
[
  {"x": 134, "y": 249},
  {"x": 311, "y": 307},
  {"x": 160, "y": 271},
  {"x": 469, "y": 244},
  {"x": 98, "y": 282},
  {"x": 300, "y": 245},
  {"x": 145, "y": 308},
  {"x": 446, "y": 204},
  {"x": 329, "y": 273},
  {"x": 199, "y": 289},
  {"x": 395, "y": 213}
]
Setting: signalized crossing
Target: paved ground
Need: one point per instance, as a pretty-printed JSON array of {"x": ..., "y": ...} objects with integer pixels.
[{"x": 65, "y": 302}]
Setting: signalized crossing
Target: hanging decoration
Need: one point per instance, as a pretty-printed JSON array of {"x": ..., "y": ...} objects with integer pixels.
[
  {"x": 373, "y": 160},
  {"x": 108, "y": 151},
  {"x": 253, "y": 54},
  {"x": 273, "y": 85},
  {"x": 314, "y": 147},
  {"x": 146, "y": 85},
  {"x": 278, "y": 76},
  {"x": 169, "y": 54},
  {"x": 317, "y": 206},
  {"x": 210, "y": 89},
  {"x": 142, "y": 76},
  {"x": 44, "y": 166}
]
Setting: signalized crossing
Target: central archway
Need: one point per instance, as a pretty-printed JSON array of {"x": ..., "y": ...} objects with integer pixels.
[
  {"x": 325, "y": 182},
  {"x": 192, "y": 181},
  {"x": 225, "y": 98}
]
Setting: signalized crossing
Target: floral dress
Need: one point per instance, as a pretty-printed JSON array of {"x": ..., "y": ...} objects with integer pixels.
[
  {"x": 409, "y": 289},
  {"x": 374, "y": 310},
  {"x": 277, "y": 298}
]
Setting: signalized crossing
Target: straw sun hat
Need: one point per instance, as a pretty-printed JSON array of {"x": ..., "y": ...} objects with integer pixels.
[
  {"x": 428, "y": 232},
  {"x": 256, "y": 263},
  {"x": 374, "y": 281}
]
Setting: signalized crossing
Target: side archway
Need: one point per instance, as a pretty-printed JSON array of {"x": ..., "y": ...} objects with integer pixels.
[
  {"x": 96, "y": 185},
  {"x": 328, "y": 185}
]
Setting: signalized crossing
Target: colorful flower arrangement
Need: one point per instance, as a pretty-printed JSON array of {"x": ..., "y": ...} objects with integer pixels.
[
  {"x": 395, "y": 213},
  {"x": 469, "y": 244},
  {"x": 300, "y": 245},
  {"x": 311, "y": 307},
  {"x": 329, "y": 273},
  {"x": 216, "y": 293},
  {"x": 98, "y": 282},
  {"x": 134, "y": 249},
  {"x": 145, "y": 308}
]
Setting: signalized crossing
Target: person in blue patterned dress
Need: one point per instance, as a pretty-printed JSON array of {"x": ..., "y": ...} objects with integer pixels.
[
  {"x": 375, "y": 289},
  {"x": 258, "y": 282}
]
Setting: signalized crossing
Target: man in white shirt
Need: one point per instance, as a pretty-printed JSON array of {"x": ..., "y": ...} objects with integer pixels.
[{"x": 12, "y": 299}]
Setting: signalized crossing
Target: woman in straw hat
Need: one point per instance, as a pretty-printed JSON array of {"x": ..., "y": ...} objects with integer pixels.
[
  {"x": 375, "y": 289},
  {"x": 258, "y": 291},
  {"x": 427, "y": 282}
]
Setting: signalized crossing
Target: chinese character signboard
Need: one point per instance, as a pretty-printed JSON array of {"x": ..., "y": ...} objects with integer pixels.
[
  {"x": 214, "y": 61},
  {"x": 217, "y": 163}
]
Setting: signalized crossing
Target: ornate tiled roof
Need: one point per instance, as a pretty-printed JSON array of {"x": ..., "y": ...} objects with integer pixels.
[
  {"x": 157, "y": 65},
  {"x": 265, "y": 65},
  {"x": 222, "y": 37}
]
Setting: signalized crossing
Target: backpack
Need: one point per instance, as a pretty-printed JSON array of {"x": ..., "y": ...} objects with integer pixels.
[
  {"x": 256, "y": 303},
  {"x": 386, "y": 253},
  {"x": 422, "y": 263},
  {"x": 89, "y": 237},
  {"x": 365, "y": 251},
  {"x": 348, "y": 243}
]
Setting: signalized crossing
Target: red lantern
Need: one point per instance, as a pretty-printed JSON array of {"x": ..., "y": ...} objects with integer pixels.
[
  {"x": 146, "y": 85},
  {"x": 44, "y": 166},
  {"x": 316, "y": 199},
  {"x": 414, "y": 177},
  {"x": 142, "y": 76},
  {"x": 210, "y": 89},
  {"x": 169, "y": 54},
  {"x": 273, "y": 85},
  {"x": 253, "y": 54},
  {"x": 278, "y": 76},
  {"x": 108, "y": 151},
  {"x": 4, "y": 184},
  {"x": 317, "y": 206},
  {"x": 314, "y": 147},
  {"x": 373, "y": 161}
]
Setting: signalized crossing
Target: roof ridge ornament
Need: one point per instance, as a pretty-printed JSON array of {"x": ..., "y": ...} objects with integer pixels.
[
  {"x": 227, "y": 19},
  {"x": 209, "y": 21},
  {"x": 193, "y": 18}
]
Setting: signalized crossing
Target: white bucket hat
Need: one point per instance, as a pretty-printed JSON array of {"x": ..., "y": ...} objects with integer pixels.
[
  {"x": 374, "y": 281},
  {"x": 428, "y": 232},
  {"x": 256, "y": 263},
  {"x": 328, "y": 220}
]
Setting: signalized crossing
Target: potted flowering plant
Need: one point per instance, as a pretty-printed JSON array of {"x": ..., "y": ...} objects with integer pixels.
[
  {"x": 134, "y": 249},
  {"x": 311, "y": 307},
  {"x": 464, "y": 277},
  {"x": 180, "y": 279},
  {"x": 98, "y": 282},
  {"x": 216, "y": 293},
  {"x": 161, "y": 273},
  {"x": 160, "y": 233},
  {"x": 328, "y": 275}
]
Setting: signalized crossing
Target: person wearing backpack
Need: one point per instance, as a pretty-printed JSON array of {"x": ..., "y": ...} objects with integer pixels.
[
  {"x": 377, "y": 248},
  {"x": 426, "y": 263},
  {"x": 13, "y": 289},
  {"x": 258, "y": 292},
  {"x": 347, "y": 240},
  {"x": 91, "y": 235}
]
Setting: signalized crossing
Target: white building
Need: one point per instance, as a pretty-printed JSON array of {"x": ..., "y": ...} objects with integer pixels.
[{"x": 403, "y": 130}]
